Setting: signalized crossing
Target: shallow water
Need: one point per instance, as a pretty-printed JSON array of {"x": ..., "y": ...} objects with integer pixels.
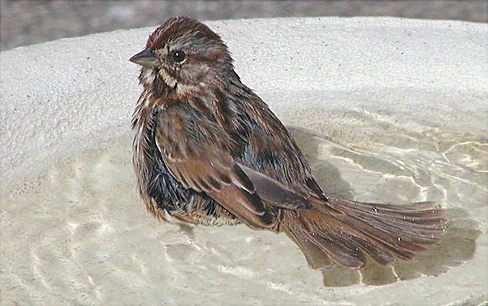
[{"x": 79, "y": 234}]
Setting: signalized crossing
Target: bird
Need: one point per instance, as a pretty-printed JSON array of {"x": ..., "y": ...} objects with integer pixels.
[{"x": 208, "y": 150}]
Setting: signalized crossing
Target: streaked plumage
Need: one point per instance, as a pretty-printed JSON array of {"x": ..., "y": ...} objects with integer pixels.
[{"x": 208, "y": 150}]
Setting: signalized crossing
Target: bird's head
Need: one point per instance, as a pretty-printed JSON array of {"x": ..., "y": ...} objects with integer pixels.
[{"x": 181, "y": 54}]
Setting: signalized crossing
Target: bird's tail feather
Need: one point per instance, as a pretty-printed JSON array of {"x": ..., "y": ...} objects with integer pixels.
[{"x": 348, "y": 232}]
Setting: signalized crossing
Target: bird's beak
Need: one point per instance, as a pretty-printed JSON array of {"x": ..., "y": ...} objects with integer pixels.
[{"x": 145, "y": 58}]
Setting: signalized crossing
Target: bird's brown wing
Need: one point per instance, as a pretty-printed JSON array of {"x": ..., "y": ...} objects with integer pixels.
[
  {"x": 197, "y": 152},
  {"x": 273, "y": 192}
]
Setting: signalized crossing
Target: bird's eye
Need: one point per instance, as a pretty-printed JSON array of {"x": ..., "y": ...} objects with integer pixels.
[{"x": 179, "y": 56}]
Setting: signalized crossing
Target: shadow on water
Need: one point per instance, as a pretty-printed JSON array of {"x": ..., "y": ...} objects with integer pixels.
[
  {"x": 456, "y": 246},
  {"x": 327, "y": 175}
]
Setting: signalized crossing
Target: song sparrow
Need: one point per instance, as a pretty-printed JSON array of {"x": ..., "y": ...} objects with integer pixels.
[{"x": 208, "y": 150}]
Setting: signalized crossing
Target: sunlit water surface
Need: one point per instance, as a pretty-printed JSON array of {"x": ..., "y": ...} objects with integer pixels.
[{"x": 79, "y": 234}]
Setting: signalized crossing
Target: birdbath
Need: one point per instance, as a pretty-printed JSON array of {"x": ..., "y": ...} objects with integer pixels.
[{"x": 386, "y": 109}]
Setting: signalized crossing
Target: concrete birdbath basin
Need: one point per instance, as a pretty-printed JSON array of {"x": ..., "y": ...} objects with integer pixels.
[{"x": 387, "y": 110}]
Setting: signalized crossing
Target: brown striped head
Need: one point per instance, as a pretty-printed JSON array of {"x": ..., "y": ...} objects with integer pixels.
[{"x": 182, "y": 52}]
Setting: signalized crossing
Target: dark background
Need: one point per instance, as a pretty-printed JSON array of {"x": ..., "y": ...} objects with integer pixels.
[{"x": 28, "y": 22}]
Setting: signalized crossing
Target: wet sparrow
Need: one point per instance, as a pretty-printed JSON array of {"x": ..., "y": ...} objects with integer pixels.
[{"x": 208, "y": 150}]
